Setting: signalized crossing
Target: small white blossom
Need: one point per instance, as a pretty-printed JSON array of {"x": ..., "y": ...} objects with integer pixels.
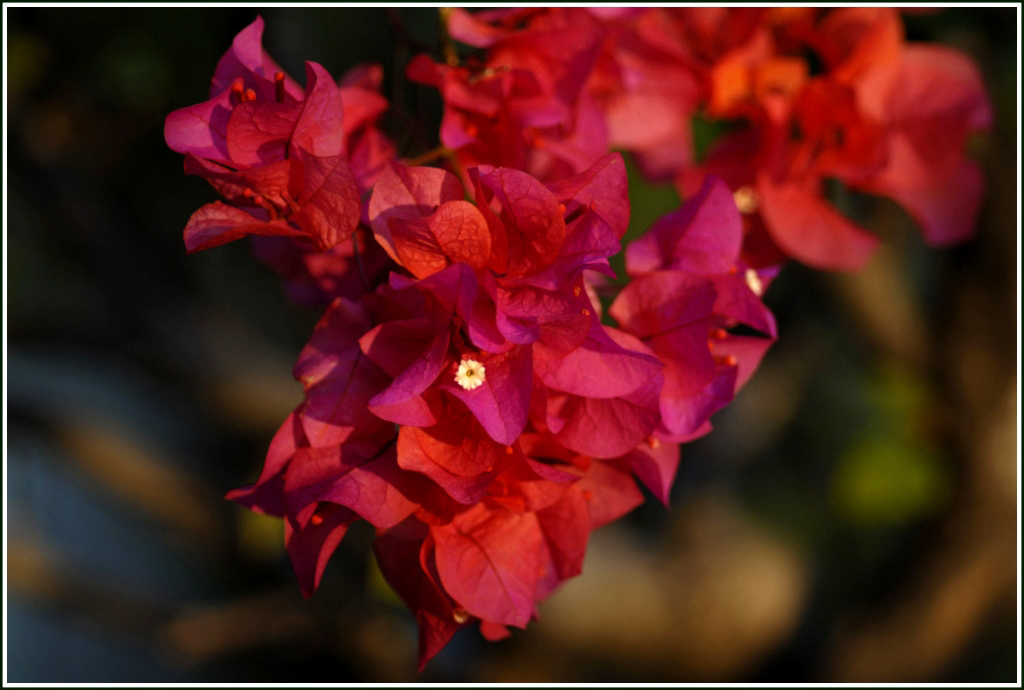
[
  {"x": 470, "y": 374},
  {"x": 746, "y": 200},
  {"x": 754, "y": 281}
]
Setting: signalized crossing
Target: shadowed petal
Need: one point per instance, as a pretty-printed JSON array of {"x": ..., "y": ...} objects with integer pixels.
[
  {"x": 218, "y": 223},
  {"x": 488, "y": 562},
  {"x": 502, "y": 401}
]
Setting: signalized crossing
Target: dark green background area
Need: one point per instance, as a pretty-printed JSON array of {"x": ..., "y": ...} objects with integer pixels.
[{"x": 862, "y": 487}]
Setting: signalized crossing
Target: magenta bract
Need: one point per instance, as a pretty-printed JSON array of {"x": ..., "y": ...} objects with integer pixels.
[{"x": 481, "y": 387}]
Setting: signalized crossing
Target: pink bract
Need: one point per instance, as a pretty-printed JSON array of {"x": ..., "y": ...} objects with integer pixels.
[
  {"x": 278, "y": 155},
  {"x": 479, "y": 388}
]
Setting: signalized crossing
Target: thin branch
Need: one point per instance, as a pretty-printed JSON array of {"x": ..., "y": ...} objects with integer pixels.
[
  {"x": 359, "y": 261},
  {"x": 431, "y": 155},
  {"x": 451, "y": 57}
]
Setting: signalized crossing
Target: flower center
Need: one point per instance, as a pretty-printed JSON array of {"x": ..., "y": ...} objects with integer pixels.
[
  {"x": 754, "y": 281},
  {"x": 746, "y": 200},
  {"x": 470, "y": 374}
]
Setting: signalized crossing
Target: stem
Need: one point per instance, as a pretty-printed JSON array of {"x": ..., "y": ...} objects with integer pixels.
[
  {"x": 359, "y": 261},
  {"x": 460, "y": 172},
  {"x": 451, "y": 57},
  {"x": 432, "y": 154}
]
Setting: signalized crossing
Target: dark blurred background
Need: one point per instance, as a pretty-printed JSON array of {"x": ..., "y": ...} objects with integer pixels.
[{"x": 853, "y": 517}]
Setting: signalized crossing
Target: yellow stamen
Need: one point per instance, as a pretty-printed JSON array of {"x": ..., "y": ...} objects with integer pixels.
[
  {"x": 470, "y": 374},
  {"x": 746, "y": 200}
]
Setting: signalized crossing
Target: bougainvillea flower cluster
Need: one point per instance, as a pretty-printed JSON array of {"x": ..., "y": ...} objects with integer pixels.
[
  {"x": 810, "y": 96},
  {"x": 482, "y": 388}
]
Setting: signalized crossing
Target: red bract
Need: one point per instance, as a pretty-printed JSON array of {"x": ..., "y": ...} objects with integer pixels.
[
  {"x": 367, "y": 148},
  {"x": 689, "y": 287},
  {"x": 521, "y": 105},
  {"x": 315, "y": 277},
  {"x": 647, "y": 89},
  {"x": 409, "y": 194},
  {"x": 462, "y": 392},
  {"x": 332, "y": 461},
  {"x": 602, "y": 397},
  {"x": 508, "y": 269},
  {"x": 886, "y": 117},
  {"x": 278, "y": 156},
  {"x": 491, "y": 563},
  {"x": 929, "y": 102},
  {"x": 519, "y": 414},
  {"x": 471, "y": 527},
  {"x": 202, "y": 128},
  {"x": 529, "y": 229}
]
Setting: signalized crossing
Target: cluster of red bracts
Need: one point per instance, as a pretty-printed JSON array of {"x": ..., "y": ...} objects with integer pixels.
[
  {"x": 809, "y": 95},
  {"x": 464, "y": 392}
]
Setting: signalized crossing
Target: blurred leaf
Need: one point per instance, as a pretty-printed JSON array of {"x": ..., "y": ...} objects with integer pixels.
[
  {"x": 378, "y": 586},
  {"x": 706, "y": 132},
  {"x": 260, "y": 536},
  {"x": 899, "y": 396},
  {"x": 647, "y": 203},
  {"x": 892, "y": 472},
  {"x": 889, "y": 480}
]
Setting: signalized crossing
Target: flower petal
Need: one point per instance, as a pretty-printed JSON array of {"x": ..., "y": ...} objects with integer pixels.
[
  {"x": 655, "y": 465},
  {"x": 610, "y": 427},
  {"x": 319, "y": 128},
  {"x": 410, "y": 193},
  {"x": 201, "y": 129},
  {"x": 599, "y": 368},
  {"x": 502, "y": 401},
  {"x": 807, "y": 228},
  {"x": 534, "y": 226},
  {"x": 218, "y": 223},
  {"x": 329, "y": 203},
  {"x": 258, "y": 132},
  {"x": 311, "y": 546},
  {"x": 488, "y": 562},
  {"x": 374, "y": 487},
  {"x": 455, "y": 233},
  {"x": 405, "y": 554},
  {"x": 704, "y": 236}
]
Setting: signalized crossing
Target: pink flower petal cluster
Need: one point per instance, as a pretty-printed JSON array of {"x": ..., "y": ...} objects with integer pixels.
[
  {"x": 484, "y": 495},
  {"x": 522, "y": 103},
  {"x": 288, "y": 162},
  {"x": 881, "y": 116},
  {"x": 690, "y": 286},
  {"x": 464, "y": 393}
]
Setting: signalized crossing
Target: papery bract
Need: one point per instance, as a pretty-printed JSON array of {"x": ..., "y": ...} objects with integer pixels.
[
  {"x": 687, "y": 288},
  {"x": 530, "y": 226},
  {"x": 886, "y": 117},
  {"x": 411, "y": 194},
  {"x": 488, "y": 561},
  {"x": 479, "y": 389},
  {"x": 257, "y": 120},
  {"x": 523, "y": 106}
]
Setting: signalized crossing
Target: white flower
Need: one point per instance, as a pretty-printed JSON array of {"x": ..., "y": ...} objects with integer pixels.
[
  {"x": 754, "y": 281},
  {"x": 470, "y": 374}
]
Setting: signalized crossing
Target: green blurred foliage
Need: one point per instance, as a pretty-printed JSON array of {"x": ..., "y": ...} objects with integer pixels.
[{"x": 892, "y": 472}]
